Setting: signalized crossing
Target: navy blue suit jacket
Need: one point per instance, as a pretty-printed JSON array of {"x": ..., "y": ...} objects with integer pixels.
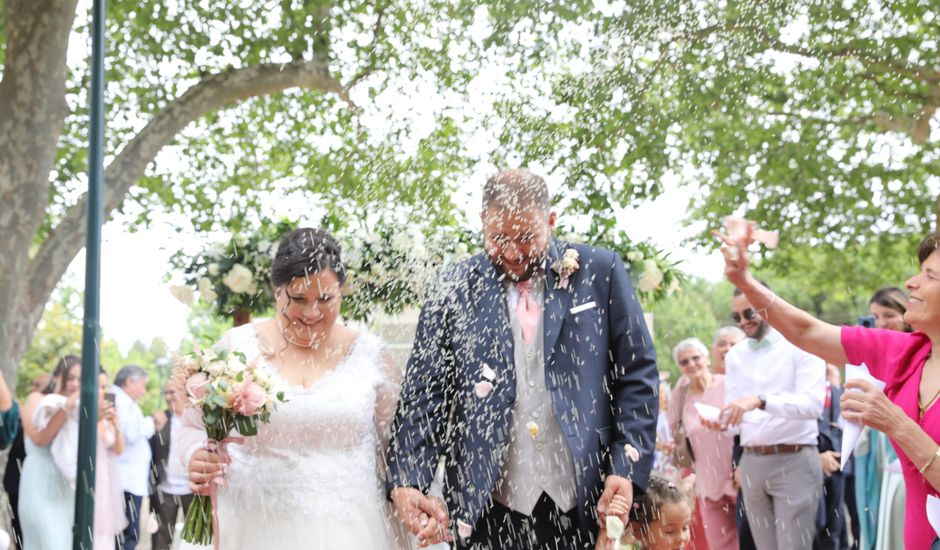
[{"x": 600, "y": 369}]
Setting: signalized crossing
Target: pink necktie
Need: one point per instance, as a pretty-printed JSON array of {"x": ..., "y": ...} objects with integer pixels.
[{"x": 527, "y": 311}]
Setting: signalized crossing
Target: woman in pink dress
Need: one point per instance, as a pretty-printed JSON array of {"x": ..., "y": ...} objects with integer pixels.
[
  {"x": 906, "y": 411},
  {"x": 711, "y": 449}
]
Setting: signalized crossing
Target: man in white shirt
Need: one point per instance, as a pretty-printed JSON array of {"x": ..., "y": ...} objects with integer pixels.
[
  {"x": 130, "y": 384},
  {"x": 774, "y": 394},
  {"x": 169, "y": 481}
]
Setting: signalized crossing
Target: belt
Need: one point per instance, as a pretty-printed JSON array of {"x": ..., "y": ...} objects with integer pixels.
[{"x": 773, "y": 449}]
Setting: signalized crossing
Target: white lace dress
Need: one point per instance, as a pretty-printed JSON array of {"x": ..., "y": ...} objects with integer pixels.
[{"x": 310, "y": 478}]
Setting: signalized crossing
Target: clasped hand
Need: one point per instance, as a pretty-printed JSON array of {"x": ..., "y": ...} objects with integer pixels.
[{"x": 423, "y": 515}]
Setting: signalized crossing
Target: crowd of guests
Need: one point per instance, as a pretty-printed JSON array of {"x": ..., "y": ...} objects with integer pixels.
[
  {"x": 773, "y": 478},
  {"x": 131, "y": 463}
]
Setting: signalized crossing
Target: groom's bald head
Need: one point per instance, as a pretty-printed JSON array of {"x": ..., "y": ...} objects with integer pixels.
[
  {"x": 517, "y": 222},
  {"x": 516, "y": 190}
]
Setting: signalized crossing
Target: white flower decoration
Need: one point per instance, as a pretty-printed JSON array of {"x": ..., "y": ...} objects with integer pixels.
[
  {"x": 183, "y": 293},
  {"x": 652, "y": 276},
  {"x": 239, "y": 279},
  {"x": 206, "y": 291}
]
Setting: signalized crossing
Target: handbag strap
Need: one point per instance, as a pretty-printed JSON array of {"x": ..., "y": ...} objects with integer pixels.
[{"x": 683, "y": 393}]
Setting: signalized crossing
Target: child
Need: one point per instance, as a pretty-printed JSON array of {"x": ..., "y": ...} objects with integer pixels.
[{"x": 661, "y": 520}]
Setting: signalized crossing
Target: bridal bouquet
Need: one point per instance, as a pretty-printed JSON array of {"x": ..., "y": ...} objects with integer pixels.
[{"x": 231, "y": 394}]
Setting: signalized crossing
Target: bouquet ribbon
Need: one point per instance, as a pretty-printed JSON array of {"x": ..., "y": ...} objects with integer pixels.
[{"x": 220, "y": 447}]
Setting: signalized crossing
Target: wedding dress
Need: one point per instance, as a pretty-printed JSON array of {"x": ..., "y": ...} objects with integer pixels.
[{"x": 310, "y": 478}]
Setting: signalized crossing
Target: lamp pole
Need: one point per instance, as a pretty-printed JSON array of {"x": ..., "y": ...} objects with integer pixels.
[{"x": 83, "y": 531}]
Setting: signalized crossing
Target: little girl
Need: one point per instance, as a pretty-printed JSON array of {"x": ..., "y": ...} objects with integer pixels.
[{"x": 660, "y": 521}]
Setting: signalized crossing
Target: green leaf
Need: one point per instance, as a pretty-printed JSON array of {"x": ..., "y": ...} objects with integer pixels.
[{"x": 246, "y": 425}]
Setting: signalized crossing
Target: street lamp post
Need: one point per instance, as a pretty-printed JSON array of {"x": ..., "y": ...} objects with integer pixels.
[{"x": 83, "y": 531}]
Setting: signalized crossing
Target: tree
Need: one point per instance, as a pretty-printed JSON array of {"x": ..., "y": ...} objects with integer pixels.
[
  {"x": 214, "y": 108},
  {"x": 811, "y": 117}
]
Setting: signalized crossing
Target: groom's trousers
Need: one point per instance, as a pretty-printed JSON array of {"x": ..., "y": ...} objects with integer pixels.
[{"x": 548, "y": 528}]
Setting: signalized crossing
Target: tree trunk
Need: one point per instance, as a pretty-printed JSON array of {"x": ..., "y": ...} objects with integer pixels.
[
  {"x": 32, "y": 115},
  {"x": 241, "y": 317}
]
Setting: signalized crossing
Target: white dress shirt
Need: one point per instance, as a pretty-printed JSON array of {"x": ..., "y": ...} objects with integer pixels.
[
  {"x": 134, "y": 462},
  {"x": 792, "y": 381},
  {"x": 176, "y": 478}
]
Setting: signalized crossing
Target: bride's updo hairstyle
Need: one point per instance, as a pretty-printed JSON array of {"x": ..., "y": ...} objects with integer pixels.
[{"x": 306, "y": 251}]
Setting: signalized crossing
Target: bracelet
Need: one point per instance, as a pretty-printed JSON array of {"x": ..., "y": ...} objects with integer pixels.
[
  {"x": 935, "y": 456},
  {"x": 769, "y": 304}
]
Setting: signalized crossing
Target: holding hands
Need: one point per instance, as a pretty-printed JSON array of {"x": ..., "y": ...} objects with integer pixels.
[
  {"x": 423, "y": 515},
  {"x": 614, "y": 487}
]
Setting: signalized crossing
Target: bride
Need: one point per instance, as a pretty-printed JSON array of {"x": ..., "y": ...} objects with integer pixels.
[{"x": 310, "y": 478}]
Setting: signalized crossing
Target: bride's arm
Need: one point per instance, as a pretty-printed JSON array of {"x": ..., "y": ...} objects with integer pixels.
[{"x": 386, "y": 401}]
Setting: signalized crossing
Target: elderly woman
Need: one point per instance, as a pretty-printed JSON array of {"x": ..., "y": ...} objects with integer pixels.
[
  {"x": 712, "y": 449},
  {"x": 725, "y": 339},
  {"x": 905, "y": 411}
]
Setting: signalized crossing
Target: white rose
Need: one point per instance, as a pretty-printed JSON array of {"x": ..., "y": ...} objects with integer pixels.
[
  {"x": 461, "y": 250},
  {"x": 238, "y": 279},
  {"x": 213, "y": 269},
  {"x": 234, "y": 366},
  {"x": 634, "y": 256},
  {"x": 240, "y": 240},
  {"x": 217, "y": 251},
  {"x": 215, "y": 369},
  {"x": 652, "y": 276},
  {"x": 183, "y": 293},
  {"x": 264, "y": 246},
  {"x": 206, "y": 292}
]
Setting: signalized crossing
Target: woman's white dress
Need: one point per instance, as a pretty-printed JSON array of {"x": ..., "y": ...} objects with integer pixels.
[{"x": 310, "y": 478}]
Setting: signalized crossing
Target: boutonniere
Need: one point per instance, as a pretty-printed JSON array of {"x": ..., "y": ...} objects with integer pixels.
[{"x": 565, "y": 267}]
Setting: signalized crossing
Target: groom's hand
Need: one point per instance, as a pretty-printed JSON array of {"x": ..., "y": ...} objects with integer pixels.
[
  {"x": 614, "y": 485},
  {"x": 425, "y": 516}
]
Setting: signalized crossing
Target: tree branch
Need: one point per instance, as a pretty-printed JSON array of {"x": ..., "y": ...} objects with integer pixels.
[
  {"x": 211, "y": 93},
  {"x": 377, "y": 30}
]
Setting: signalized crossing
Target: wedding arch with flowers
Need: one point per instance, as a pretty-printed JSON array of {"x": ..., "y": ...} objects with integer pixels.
[{"x": 389, "y": 266}]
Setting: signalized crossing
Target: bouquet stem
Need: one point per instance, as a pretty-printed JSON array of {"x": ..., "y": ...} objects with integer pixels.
[{"x": 198, "y": 526}]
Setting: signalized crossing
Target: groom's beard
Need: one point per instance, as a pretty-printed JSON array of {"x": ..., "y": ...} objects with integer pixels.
[{"x": 534, "y": 267}]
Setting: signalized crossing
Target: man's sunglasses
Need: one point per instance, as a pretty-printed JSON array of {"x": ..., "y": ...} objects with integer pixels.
[{"x": 748, "y": 314}]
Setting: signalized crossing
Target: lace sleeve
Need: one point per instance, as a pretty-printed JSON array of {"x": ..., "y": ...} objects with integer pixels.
[
  {"x": 386, "y": 400},
  {"x": 192, "y": 434}
]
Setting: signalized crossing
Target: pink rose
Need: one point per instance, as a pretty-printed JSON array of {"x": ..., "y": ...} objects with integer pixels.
[
  {"x": 196, "y": 386},
  {"x": 249, "y": 397}
]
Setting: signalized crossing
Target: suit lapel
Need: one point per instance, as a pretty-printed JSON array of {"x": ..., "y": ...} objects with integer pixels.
[
  {"x": 492, "y": 318},
  {"x": 556, "y": 301}
]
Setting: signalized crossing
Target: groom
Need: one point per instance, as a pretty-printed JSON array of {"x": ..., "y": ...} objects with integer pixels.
[{"x": 534, "y": 375}]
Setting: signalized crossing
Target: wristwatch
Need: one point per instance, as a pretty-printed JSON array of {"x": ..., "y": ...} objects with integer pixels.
[{"x": 763, "y": 401}]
